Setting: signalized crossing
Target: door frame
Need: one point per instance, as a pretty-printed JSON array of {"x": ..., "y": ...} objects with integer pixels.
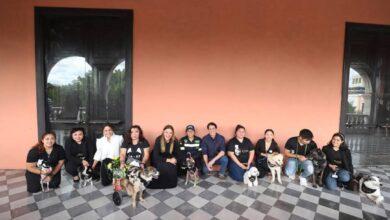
[
  {"x": 40, "y": 14},
  {"x": 349, "y": 28}
]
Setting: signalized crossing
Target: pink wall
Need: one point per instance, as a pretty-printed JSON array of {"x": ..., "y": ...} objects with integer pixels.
[{"x": 251, "y": 62}]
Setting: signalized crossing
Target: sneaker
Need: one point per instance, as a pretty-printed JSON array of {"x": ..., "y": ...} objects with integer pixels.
[
  {"x": 302, "y": 181},
  {"x": 292, "y": 177},
  {"x": 221, "y": 176}
]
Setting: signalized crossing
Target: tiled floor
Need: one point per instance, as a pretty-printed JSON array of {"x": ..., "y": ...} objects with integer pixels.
[
  {"x": 369, "y": 149},
  {"x": 212, "y": 199}
]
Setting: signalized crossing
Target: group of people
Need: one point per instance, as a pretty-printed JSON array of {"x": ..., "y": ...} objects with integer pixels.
[{"x": 168, "y": 155}]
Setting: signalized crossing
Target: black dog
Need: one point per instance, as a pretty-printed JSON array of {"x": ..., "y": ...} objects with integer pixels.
[
  {"x": 319, "y": 163},
  {"x": 85, "y": 175}
]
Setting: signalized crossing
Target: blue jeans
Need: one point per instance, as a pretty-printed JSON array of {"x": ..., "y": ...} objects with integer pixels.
[
  {"x": 222, "y": 161},
  {"x": 292, "y": 165},
  {"x": 236, "y": 172},
  {"x": 343, "y": 177}
]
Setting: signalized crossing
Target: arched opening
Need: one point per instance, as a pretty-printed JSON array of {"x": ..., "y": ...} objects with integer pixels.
[
  {"x": 67, "y": 82},
  {"x": 359, "y": 92}
]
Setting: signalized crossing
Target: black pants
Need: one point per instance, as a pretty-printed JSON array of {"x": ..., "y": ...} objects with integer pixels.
[
  {"x": 105, "y": 174},
  {"x": 262, "y": 166},
  {"x": 72, "y": 167},
  {"x": 167, "y": 178},
  {"x": 34, "y": 182}
]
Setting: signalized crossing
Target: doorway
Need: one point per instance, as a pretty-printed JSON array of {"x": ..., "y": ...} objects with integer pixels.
[
  {"x": 365, "y": 114},
  {"x": 83, "y": 59}
]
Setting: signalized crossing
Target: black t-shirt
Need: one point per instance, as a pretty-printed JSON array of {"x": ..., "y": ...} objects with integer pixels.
[
  {"x": 333, "y": 156},
  {"x": 135, "y": 151},
  {"x": 57, "y": 154},
  {"x": 240, "y": 149},
  {"x": 260, "y": 147},
  {"x": 295, "y": 148}
]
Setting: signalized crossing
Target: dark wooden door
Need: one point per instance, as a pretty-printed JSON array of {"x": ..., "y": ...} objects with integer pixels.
[
  {"x": 85, "y": 58},
  {"x": 365, "y": 115}
]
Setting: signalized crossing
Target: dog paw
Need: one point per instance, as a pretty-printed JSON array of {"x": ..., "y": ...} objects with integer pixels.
[
  {"x": 314, "y": 186},
  {"x": 142, "y": 199},
  {"x": 379, "y": 200}
]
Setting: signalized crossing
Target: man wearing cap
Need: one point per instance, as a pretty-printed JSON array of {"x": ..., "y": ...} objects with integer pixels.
[{"x": 190, "y": 144}]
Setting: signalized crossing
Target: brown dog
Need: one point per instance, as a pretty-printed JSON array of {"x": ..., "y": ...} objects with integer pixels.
[
  {"x": 135, "y": 183},
  {"x": 192, "y": 170}
]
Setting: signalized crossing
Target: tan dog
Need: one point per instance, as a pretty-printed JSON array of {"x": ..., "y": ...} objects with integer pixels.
[
  {"x": 192, "y": 170},
  {"x": 275, "y": 163},
  {"x": 135, "y": 183}
]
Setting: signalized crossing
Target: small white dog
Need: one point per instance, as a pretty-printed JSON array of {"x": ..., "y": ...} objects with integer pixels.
[
  {"x": 275, "y": 163},
  {"x": 370, "y": 186},
  {"x": 250, "y": 177}
]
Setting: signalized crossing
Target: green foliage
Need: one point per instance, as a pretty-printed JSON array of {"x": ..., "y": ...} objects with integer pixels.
[{"x": 351, "y": 108}]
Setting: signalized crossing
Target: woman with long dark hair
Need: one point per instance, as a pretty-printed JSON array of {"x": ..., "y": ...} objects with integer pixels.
[
  {"x": 241, "y": 152},
  {"x": 164, "y": 157},
  {"x": 79, "y": 152},
  {"x": 340, "y": 169},
  {"x": 265, "y": 146},
  {"x": 107, "y": 149},
  {"x": 135, "y": 147},
  {"x": 46, "y": 153}
]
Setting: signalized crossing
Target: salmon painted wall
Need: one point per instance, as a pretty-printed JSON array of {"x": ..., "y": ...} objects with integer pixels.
[{"x": 264, "y": 64}]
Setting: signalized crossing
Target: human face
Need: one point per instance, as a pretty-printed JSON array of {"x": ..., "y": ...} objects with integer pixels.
[
  {"x": 240, "y": 133},
  {"x": 269, "y": 135},
  {"x": 48, "y": 140},
  {"x": 168, "y": 134},
  {"x": 78, "y": 136},
  {"x": 304, "y": 141},
  {"x": 134, "y": 133},
  {"x": 336, "y": 141},
  {"x": 190, "y": 133},
  {"x": 108, "y": 132},
  {"x": 212, "y": 130}
]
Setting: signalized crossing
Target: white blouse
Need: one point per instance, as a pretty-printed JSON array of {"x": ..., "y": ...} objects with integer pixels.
[{"x": 108, "y": 149}]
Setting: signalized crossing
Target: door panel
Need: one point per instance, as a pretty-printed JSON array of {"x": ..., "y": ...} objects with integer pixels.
[
  {"x": 366, "y": 101},
  {"x": 85, "y": 56}
]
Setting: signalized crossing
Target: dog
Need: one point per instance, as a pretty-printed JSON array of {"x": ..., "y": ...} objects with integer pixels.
[
  {"x": 318, "y": 159},
  {"x": 137, "y": 178},
  {"x": 370, "y": 186},
  {"x": 85, "y": 175},
  {"x": 275, "y": 163},
  {"x": 192, "y": 170},
  {"x": 250, "y": 177},
  {"x": 43, "y": 166}
]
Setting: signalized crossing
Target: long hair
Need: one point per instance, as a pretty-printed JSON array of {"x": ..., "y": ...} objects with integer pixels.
[
  {"x": 172, "y": 141},
  {"x": 141, "y": 133},
  {"x": 39, "y": 145},
  {"x": 342, "y": 137}
]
